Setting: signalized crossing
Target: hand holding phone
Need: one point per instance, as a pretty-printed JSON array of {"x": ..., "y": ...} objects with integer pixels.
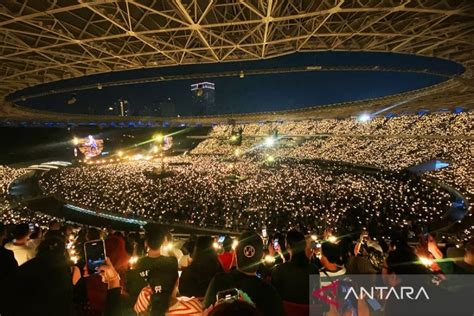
[{"x": 94, "y": 254}]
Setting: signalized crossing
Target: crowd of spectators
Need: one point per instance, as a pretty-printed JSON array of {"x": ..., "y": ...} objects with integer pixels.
[
  {"x": 206, "y": 191},
  {"x": 324, "y": 221},
  {"x": 441, "y": 124},
  {"x": 143, "y": 272},
  {"x": 388, "y": 143}
]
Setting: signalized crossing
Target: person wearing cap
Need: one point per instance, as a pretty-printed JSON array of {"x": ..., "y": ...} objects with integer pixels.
[{"x": 249, "y": 254}]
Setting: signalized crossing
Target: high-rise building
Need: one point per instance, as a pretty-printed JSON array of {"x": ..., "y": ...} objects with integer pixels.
[
  {"x": 121, "y": 108},
  {"x": 203, "y": 96}
]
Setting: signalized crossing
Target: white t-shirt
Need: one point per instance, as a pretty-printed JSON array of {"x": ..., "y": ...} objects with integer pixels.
[{"x": 22, "y": 253}]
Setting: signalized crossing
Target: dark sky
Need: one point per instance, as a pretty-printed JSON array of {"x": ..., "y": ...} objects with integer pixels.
[{"x": 256, "y": 93}]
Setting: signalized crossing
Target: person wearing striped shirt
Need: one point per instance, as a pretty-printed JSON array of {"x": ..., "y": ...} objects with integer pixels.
[{"x": 332, "y": 270}]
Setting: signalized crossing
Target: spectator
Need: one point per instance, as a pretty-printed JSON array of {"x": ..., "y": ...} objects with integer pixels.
[
  {"x": 226, "y": 258},
  {"x": 196, "y": 278},
  {"x": 234, "y": 308},
  {"x": 159, "y": 298},
  {"x": 466, "y": 265},
  {"x": 45, "y": 283},
  {"x": 400, "y": 267},
  {"x": 187, "y": 249},
  {"x": 96, "y": 289},
  {"x": 330, "y": 259},
  {"x": 249, "y": 254},
  {"x": 22, "y": 251},
  {"x": 291, "y": 279},
  {"x": 138, "y": 278},
  {"x": 8, "y": 263}
]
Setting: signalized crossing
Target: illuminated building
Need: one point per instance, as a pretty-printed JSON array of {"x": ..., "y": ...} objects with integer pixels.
[{"x": 203, "y": 98}]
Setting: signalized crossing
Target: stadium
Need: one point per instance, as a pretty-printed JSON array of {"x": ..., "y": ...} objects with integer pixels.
[{"x": 235, "y": 157}]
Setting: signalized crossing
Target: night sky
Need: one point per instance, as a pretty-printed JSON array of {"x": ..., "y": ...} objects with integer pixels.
[{"x": 255, "y": 93}]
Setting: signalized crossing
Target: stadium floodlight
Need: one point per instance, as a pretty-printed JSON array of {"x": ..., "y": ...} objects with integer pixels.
[
  {"x": 364, "y": 117},
  {"x": 270, "y": 141}
]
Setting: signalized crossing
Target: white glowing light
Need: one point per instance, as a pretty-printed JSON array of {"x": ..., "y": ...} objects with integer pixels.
[
  {"x": 235, "y": 243},
  {"x": 269, "y": 141},
  {"x": 427, "y": 262},
  {"x": 365, "y": 117},
  {"x": 269, "y": 259}
]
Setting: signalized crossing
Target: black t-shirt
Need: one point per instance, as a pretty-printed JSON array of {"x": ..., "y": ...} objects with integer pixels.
[
  {"x": 196, "y": 278},
  {"x": 264, "y": 295},
  {"x": 41, "y": 286},
  {"x": 137, "y": 278},
  {"x": 8, "y": 263},
  {"x": 292, "y": 281}
]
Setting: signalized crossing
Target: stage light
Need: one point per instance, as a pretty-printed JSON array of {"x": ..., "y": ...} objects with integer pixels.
[
  {"x": 169, "y": 246},
  {"x": 332, "y": 239},
  {"x": 365, "y": 117},
  {"x": 235, "y": 243},
  {"x": 269, "y": 141},
  {"x": 158, "y": 138},
  {"x": 425, "y": 261},
  {"x": 74, "y": 259},
  {"x": 133, "y": 260},
  {"x": 75, "y": 141},
  {"x": 269, "y": 259}
]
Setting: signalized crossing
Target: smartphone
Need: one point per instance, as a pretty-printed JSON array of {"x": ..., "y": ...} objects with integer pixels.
[
  {"x": 276, "y": 244},
  {"x": 221, "y": 239},
  {"x": 264, "y": 233},
  {"x": 31, "y": 227},
  {"x": 227, "y": 295},
  {"x": 95, "y": 255},
  {"x": 315, "y": 245}
]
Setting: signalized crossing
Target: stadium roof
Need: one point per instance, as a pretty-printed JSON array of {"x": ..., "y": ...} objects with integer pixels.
[{"x": 46, "y": 41}]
